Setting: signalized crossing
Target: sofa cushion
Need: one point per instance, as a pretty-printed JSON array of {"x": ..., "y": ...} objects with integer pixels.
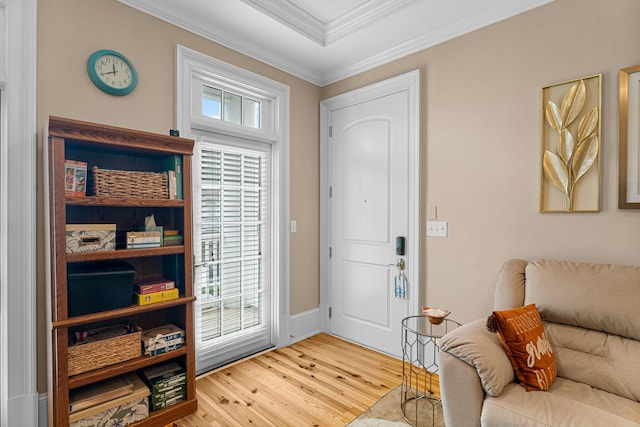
[
  {"x": 604, "y": 361},
  {"x": 476, "y": 346},
  {"x": 566, "y": 403},
  {"x": 602, "y": 297},
  {"x": 525, "y": 342}
]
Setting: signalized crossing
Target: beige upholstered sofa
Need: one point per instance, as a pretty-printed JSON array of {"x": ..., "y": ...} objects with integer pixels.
[{"x": 591, "y": 316}]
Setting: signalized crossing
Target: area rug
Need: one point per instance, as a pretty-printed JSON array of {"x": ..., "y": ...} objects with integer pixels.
[{"x": 386, "y": 412}]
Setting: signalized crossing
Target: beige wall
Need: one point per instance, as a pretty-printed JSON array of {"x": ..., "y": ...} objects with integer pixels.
[
  {"x": 479, "y": 139},
  {"x": 70, "y": 30},
  {"x": 481, "y": 147}
]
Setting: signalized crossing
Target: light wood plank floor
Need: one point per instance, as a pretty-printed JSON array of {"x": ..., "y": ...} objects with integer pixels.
[{"x": 319, "y": 381}]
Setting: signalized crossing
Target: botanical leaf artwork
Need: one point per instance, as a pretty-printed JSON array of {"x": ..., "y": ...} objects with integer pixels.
[{"x": 575, "y": 154}]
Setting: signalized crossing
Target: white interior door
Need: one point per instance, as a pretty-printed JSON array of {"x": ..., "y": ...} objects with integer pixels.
[{"x": 372, "y": 180}]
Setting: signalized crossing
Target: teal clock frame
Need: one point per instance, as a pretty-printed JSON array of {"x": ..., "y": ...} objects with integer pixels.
[{"x": 95, "y": 56}]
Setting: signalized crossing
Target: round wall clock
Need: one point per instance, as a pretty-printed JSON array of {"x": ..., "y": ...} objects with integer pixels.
[{"x": 112, "y": 72}]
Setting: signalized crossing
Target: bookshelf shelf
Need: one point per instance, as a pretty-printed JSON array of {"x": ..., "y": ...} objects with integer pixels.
[
  {"x": 111, "y": 147},
  {"x": 122, "y": 202},
  {"x": 125, "y": 253},
  {"x": 123, "y": 368},
  {"x": 119, "y": 313}
]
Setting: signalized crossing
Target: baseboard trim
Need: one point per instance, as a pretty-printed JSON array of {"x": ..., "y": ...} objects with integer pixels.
[
  {"x": 305, "y": 325},
  {"x": 43, "y": 410}
]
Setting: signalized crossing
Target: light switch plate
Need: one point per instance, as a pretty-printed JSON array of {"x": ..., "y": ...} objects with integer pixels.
[{"x": 437, "y": 228}]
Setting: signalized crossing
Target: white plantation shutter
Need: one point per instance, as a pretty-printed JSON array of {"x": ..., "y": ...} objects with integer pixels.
[{"x": 231, "y": 234}]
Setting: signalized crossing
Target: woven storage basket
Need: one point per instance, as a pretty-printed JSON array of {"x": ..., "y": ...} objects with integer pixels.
[
  {"x": 141, "y": 185},
  {"x": 96, "y": 355}
]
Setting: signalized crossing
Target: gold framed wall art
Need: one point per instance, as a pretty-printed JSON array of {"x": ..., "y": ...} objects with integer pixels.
[
  {"x": 629, "y": 138},
  {"x": 570, "y": 146}
]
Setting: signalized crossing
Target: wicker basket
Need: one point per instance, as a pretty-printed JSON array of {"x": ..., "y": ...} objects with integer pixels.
[
  {"x": 96, "y": 355},
  {"x": 142, "y": 185}
]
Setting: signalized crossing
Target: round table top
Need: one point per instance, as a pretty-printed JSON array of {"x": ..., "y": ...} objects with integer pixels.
[{"x": 420, "y": 325}]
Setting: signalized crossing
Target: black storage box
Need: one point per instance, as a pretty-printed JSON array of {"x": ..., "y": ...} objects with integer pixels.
[{"x": 94, "y": 287}]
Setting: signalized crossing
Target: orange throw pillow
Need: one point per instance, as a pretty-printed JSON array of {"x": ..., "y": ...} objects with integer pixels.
[{"x": 523, "y": 338}]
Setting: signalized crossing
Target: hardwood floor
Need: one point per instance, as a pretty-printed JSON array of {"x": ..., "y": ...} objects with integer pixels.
[{"x": 319, "y": 381}]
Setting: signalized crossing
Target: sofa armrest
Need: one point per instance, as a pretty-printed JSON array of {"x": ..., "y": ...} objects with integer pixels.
[
  {"x": 460, "y": 391},
  {"x": 472, "y": 362},
  {"x": 476, "y": 346}
]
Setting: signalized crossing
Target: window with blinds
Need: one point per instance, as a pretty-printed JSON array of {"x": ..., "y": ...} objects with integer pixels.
[{"x": 231, "y": 233}]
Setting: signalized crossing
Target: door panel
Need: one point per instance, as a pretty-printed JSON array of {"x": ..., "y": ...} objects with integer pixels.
[
  {"x": 369, "y": 157},
  {"x": 364, "y": 293},
  {"x": 365, "y": 180}
]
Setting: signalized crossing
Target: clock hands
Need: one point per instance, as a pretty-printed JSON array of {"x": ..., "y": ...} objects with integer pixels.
[{"x": 114, "y": 72}]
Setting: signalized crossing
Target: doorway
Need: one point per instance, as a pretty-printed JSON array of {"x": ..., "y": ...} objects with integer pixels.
[{"x": 369, "y": 199}]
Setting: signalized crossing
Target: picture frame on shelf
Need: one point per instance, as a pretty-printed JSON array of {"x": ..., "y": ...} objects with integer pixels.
[{"x": 629, "y": 138}]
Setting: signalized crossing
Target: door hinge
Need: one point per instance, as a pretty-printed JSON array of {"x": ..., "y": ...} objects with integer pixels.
[
  {"x": 330, "y": 313},
  {"x": 330, "y": 131},
  {"x": 330, "y": 251}
]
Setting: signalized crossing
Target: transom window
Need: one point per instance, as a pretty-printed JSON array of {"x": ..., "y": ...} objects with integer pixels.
[{"x": 230, "y": 107}]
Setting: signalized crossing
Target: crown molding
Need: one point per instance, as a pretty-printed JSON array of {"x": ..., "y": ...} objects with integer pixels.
[
  {"x": 231, "y": 41},
  {"x": 292, "y": 16},
  {"x": 360, "y": 17},
  {"x": 464, "y": 25},
  {"x": 340, "y": 27}
]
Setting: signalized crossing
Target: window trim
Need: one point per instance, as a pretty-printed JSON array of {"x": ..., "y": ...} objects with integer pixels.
[{"x": 190, "y": 64}]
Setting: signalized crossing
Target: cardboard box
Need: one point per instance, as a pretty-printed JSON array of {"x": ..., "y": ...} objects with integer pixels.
[
  {"x": 162, "y": 339},
  {"x": 90, "y": 237},
  {"x": 144, "y": 239},
  {"x": 156, "y": 297},
  {"x": 122, "y": 411},
  {"x": 156, "y": 285}
]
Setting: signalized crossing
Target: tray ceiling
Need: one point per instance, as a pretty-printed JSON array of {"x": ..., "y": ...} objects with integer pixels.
[{"x": 328, "y": 40}]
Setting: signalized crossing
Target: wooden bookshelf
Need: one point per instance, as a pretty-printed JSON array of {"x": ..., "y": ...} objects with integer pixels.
[{"x": 110, "y": 147}]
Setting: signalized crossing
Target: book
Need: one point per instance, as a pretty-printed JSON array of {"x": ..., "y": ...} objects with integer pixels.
[
  {"x": 97, "y": 393},
  {"x": 161, "y": 397},
  {"x": 155, "y": 297},
  {"x": 166, "y": 376},
  {"x": 150, "y": 286},
  {"x": 174, "y": 163},
  {"x": 75, "y": 178},
  {"x": 172, "y": 240},
  {"x": 173, "y": 193}
]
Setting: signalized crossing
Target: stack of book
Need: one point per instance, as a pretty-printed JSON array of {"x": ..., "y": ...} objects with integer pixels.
[
  {"x": 171, "y": 237},
  {"x": 173, "y": 166},
  {"x": 153, "y": 291},
  {"x": 167, "y": 383}
]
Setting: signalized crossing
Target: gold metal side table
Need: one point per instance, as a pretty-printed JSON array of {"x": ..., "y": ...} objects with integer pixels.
[{"x": 420, "y": 365}]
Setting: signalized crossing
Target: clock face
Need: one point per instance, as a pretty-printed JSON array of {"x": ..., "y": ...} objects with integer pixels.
[{"x": 112, "y": 72}]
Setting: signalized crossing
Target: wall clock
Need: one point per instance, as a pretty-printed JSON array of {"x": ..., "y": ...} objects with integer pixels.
[{"x": 112, "y": 72}]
